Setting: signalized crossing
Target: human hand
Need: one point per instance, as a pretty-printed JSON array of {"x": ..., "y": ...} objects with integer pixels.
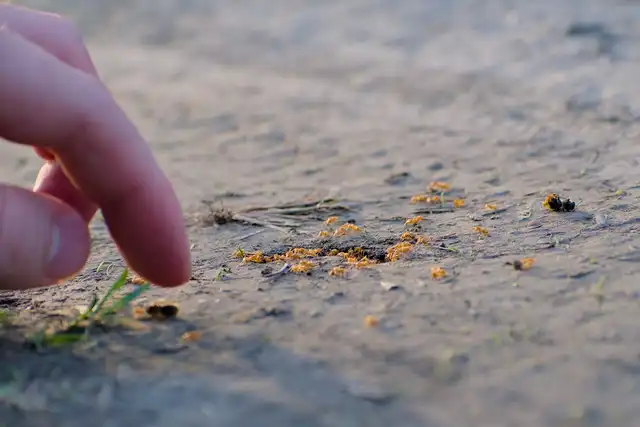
[{"x": 51, "y": 98}]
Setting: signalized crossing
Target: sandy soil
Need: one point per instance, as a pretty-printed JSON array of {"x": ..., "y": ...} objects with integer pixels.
[{"x": 259, "y": 103}]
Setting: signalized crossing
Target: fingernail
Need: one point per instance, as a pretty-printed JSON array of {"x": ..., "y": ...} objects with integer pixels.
[{"x": 69, "y": 246}]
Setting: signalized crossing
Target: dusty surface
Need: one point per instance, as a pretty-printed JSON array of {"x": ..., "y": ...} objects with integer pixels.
[{"x": 257, "y": 103}]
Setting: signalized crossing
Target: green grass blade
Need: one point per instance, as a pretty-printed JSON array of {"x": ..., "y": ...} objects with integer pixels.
[{"x": 116, "y": 286}]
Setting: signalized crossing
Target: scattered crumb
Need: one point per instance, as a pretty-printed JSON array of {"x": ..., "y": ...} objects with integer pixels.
[
  {"x": 422, "y": 240},
  {"x": 438, "y": 273},
  {"x": 395, "y": 252},
  {"x": 345, "y": 229},
  {"x": 413, "y": 221},
  {"x": 331, "y": 220},
  {"x": 490, "y": 206},
  {"x": 481, "y": 230},
  {"x": 424, "y": 198},
  {"x": 408, "y": 236},
  {"x": 238, "y": 253},
  {"x": 522, "y": 264},
  {"x": 191, "y": 336},
  {"x": 137, "y": 280},
  {"x": 303, "y": 267},
  {"x": 438, "y": 186},
  {"x": 324, "y": 234},
  {"x": 338, "y": 272},
  {"x": 256, "y": 257},
  {"x": 361, "y": 263},
  {"x": 458, "y": 203},
  {"x": 371, "y": 321}
]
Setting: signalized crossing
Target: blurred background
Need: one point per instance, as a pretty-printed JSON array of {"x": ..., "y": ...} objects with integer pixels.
[{"x": 290, "y": 89}]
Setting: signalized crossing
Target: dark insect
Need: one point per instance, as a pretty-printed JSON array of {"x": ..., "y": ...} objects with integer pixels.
[
  {"x": 162, "y": 310},
  {"x": 568, "y": 205},
  {"x": 553, "y": 202},
  {"x": 517, "y": 265}
]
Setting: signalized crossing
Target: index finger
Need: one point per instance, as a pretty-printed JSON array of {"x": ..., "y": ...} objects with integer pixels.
[{"x": 46, "y": 103}]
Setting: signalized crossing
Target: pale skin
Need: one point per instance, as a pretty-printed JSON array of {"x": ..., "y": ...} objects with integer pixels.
[{"x": 52, "y": 99}]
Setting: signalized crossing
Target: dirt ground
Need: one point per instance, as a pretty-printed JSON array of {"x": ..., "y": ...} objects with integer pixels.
[{"x": 251, "y": 103}]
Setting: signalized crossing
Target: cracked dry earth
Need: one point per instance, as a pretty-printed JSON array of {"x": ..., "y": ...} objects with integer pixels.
[{"x": 254, "y": 103}]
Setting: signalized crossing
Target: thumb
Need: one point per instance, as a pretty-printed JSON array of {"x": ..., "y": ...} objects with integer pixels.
[{"x": 42, "y": 240}]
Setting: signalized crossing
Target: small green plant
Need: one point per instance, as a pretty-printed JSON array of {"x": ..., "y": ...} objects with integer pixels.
[{"x": 101, "y": 311}]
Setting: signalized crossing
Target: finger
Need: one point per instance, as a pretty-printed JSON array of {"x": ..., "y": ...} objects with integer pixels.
[
  {"x": 54, "y": 34},
  {"x": 45, "y": 154},
  {"x": 100, "y": 151},
  {"x": 51, "y": 32},
  {"x": 42, "y": 239},
  {"x": 52, "y": 180}
]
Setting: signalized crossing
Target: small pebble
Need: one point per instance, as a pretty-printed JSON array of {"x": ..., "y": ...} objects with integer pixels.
[
  {"x": 388, "y": 286},
  {"x": 602, "y": 220}
]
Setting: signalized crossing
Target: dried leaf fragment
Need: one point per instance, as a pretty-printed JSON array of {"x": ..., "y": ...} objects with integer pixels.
[
  {"x": 491, "y": 206},
  {"x": 438, "y": 273}
]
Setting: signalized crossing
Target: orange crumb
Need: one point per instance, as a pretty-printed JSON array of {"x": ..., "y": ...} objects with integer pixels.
[
  {"x": 238, "y": 253},
  {"x": 297, "y": 253},
  {"x": 338, "y": 271},
  {"x": 423, "y": 198},
  {"x": 526, "y": 263},
  {"x": 362, "y": 262},
  {"x": 437, "y": 186},
  {"x": 256, "y": 257},
  {"x": 371, "y": 321},
  {"x": 420, "y": 198},
  {"x": 345, "y": 229},
  {"x": 396, "y": 251},
  {"x": 407, "y": 236},
  {"x": 303, "y": 267},
  {"x": 139, "y": 312},
  {"x": 191, "y": 336},
  {"x": 458, "y": 203},
  {"x": 324, "y": 234},
  {"x": 422, "y": 240},
  {"x": 137, "y": 280},
  {"x": 331, "y": 220},
  {"x": 491, "y": 206},
  {"x": 481, "y": 230},
  {"x": 414, "y": 220},
  {"x": 438, "y": 273}
]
